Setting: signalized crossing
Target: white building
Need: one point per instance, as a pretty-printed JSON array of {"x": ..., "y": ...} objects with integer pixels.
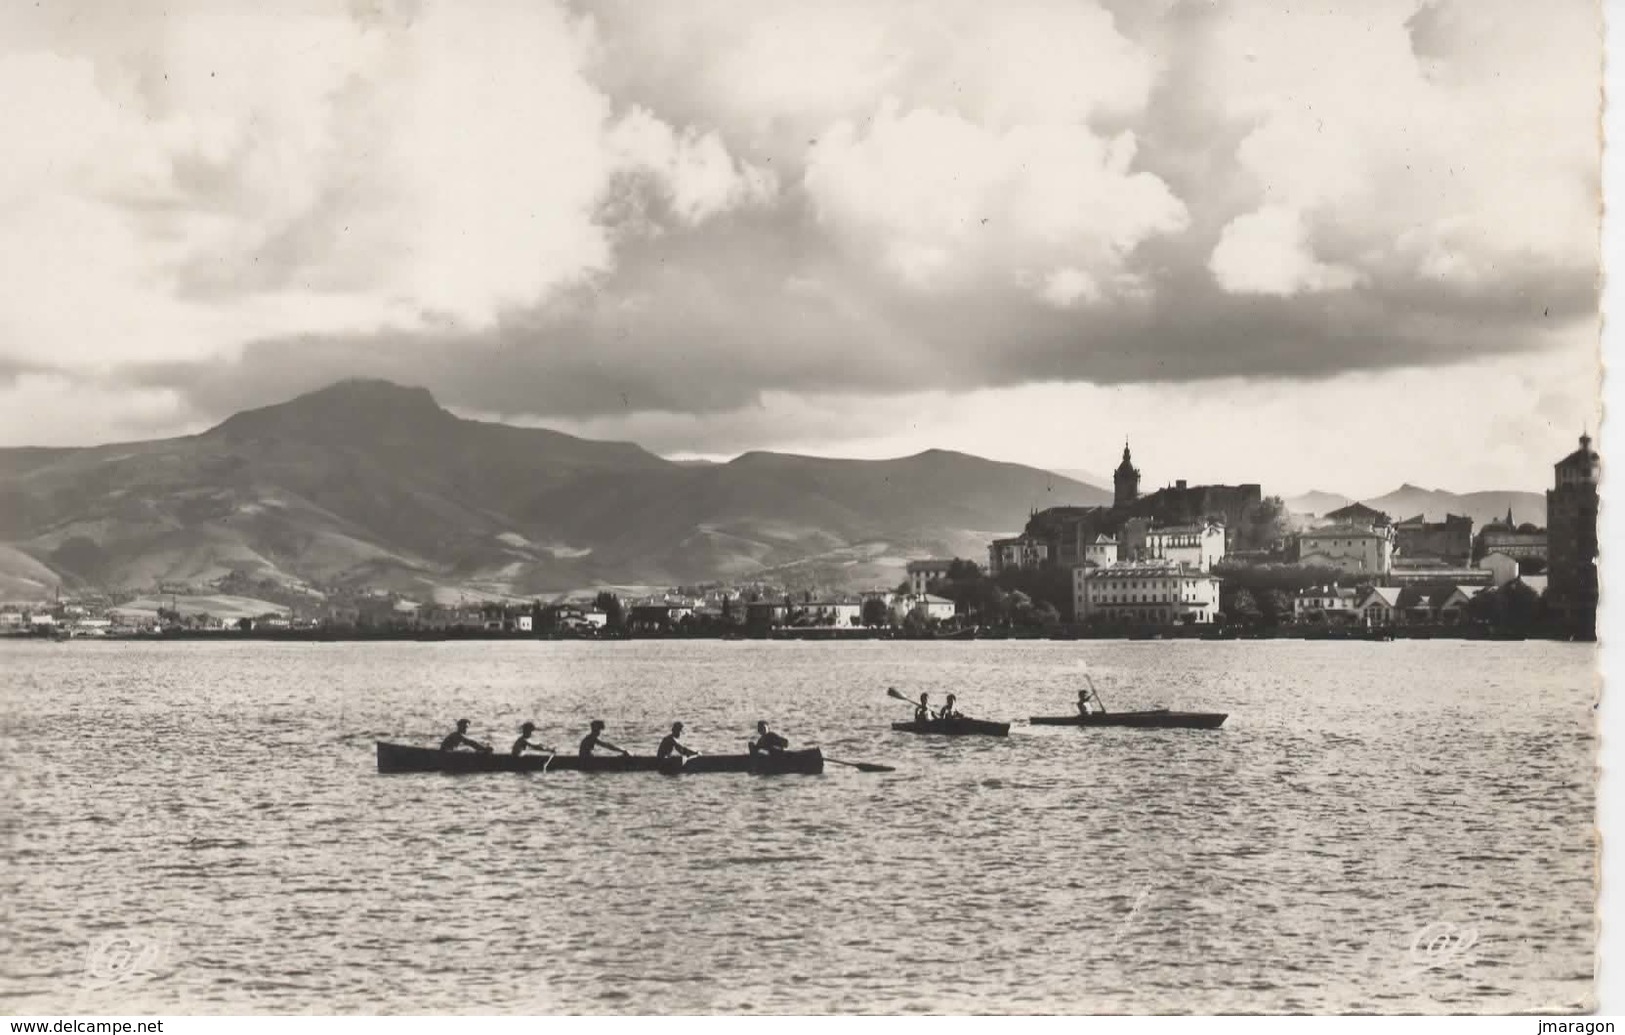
[
  {"x": 1145, "y": 592},
  {"x": 1101, "y": 552},
  {"x": 1199, "y": 546},
  {"x": 839, "y": 613},
  {"x": 925, "y": 605},
  {"x": 1331, "y": 602},
  {"x": 1502, "y": 568},
  {"x": 1380, "y": 606},
  {"x": 1349, "y": 547},
  {"x": 524, "y": 623}
]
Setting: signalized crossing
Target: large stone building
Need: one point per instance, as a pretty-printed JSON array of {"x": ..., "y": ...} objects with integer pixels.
[
  {"x": 1017, "y": 553},
  {"x": 1571, "y": 530},
  {"x": 1357, "y": 549},
  {"x": 1199, "y": 546},
  {"x": 1450, "y": 540},
  {"x": 922, "y": 573},
  {"x": 1524, "y": 542},
  {"x": 1075, "y": 536},
  {"x": 1067, "y": 532},
  {"x": 1144, "y": 593}
]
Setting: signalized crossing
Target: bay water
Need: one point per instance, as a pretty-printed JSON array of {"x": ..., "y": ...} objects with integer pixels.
[{"x": 1378, "y": 827}]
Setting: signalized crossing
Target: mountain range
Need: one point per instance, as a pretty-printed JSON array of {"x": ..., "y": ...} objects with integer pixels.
[
  {"x": 1408, "y": 501},
  {"x": 368, "y": 484},
  {"x": 371, "y": 484}
]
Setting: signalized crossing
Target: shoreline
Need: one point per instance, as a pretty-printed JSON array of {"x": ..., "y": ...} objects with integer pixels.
[{"x": 347, "y": 635}]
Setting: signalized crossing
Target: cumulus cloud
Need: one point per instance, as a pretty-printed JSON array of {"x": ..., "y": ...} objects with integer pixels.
[
  {"x": 559, "y": 213},
  {"x": 259, "y": 174},
  {"x": 1267, "y": 252},
  {"x": 943, "y": 201}
]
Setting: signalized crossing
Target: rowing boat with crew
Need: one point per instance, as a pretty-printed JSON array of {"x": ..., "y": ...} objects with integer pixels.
[
  {"x": 769, "y": 753},
  {"x": 404, "y": 758}
]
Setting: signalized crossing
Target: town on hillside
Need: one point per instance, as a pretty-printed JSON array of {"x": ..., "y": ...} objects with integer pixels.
[{"x": 1209, "y": 561}]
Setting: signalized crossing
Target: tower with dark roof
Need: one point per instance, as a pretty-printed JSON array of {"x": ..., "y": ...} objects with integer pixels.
[
  {"x": 1126, "y": 480},
  {"x": 1571, "y": 535}
]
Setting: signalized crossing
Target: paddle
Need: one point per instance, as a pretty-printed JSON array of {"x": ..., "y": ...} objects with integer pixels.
[
  {"x": 892, "y": 691},
  {"x": 864, "y": 767},
  {"x": 1096, "y": 694}
]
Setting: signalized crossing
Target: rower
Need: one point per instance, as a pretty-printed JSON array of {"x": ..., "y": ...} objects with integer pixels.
[
  {"x": 671, "y": 743},
  {"x": 767, "y": 741},
  {"x": 1084, "y": 708},
  {"x": 922, "y": 711},
  {"x": 460, "y": 738},
  {"x": 523, "y": 744},
  {"x": 593, "y": 741},
  {"x": 948, "y": 710}
]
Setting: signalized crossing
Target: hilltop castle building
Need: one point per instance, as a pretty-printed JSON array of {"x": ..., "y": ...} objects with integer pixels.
[{"x": 1194, "y": 524}]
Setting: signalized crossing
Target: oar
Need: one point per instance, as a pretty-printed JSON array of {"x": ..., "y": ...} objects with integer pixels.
[
  {"x": 892, "y": 691},
  {"x": 1092, "y": 690},
  {"x": 864, "y": 767}
]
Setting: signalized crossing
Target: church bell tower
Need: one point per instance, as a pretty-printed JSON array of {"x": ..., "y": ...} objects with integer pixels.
[{"x": 1126, "y": 481}]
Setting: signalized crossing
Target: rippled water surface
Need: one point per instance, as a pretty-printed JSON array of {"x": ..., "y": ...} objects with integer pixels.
[{"x": 1379, "y": 827}]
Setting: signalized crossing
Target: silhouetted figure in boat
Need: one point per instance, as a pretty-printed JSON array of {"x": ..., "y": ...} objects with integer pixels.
[
  {"x": 592, "y": 741},
  {"x": 672, "y": 743},
  {"x": 922, "y": 711},
  {"x": 767, "y": 741},
  {"x": 523, "y": 744},
  {"x": 1087, "y": 706},
  {"x": 459, "y": 738},
  {"x": 948, "y": 710}
]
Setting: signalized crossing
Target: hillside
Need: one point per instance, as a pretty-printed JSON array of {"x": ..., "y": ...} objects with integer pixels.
[
  {"x": 1315, "y": 503},
  {"x": 1483, "y": 507},
  {"x": 1433, "y": 504},
  {"x": 369, "y": 483}
]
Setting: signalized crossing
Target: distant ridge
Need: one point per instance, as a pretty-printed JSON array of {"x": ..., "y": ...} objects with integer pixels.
[
  {"x": 369, "y": 483},
  {"x": 1409, "y": 501}
]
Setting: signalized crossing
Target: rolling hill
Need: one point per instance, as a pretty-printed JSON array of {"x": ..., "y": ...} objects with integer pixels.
[
  {"x": 1433, "y": 504},
  {"x": 367, "y": 483}
]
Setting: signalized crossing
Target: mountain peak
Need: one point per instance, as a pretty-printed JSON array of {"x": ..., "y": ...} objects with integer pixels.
[
  {"x": 355, "y": 403},
  {"x": 374, "y": 391}
]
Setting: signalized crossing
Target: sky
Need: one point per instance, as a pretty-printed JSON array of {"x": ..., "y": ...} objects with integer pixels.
[{"x": 1335, "y": 246}]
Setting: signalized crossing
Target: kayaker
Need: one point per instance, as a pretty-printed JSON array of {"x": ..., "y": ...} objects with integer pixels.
[
  {"x": 1084, "y": 707},
  {"x": 671, "y": 743},
  {"x": 922, "y": 711},
  {"x": 523, "y": 744},
  {"x": 459, "y": 738},
  {"x": 592, "y": 741},
  {"x": 767, "y": 740},
  {"x": 948, "y": 710}
]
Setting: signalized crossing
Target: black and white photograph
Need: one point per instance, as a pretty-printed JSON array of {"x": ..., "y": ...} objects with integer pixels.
[{"x": 615, "y": 508}]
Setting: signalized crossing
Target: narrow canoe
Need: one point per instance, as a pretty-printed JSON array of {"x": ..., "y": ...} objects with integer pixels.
[
  {"x": 955, "y": 727},
  {"x": 403, "y": 758},
  {"x": 1162, "y": 718}
]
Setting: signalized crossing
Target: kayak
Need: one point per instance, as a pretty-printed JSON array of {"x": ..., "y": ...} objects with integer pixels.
[
  {"x": 403, "y": 758},
  {"x": 955, "y": 727},
  {"x": 1162, "y": 718}
]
